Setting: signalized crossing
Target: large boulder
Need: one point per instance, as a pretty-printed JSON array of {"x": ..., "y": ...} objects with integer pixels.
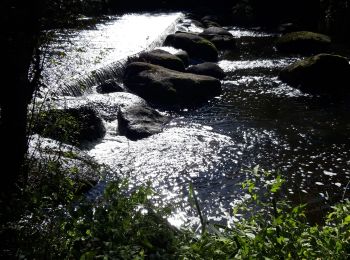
[
  {"x": 168, "y": 87},
  {"x": 323, "y": 74},
  {"x": 303, "y": 42},
  {"x": 196, "y": 46},
  {"x": 140, "y": 121},
  {"x": 162, "y": 58},
  {"x": 109, "y": 86},
  {"x": 207, "y": 68},
  {"x": 221, "y": 38},
  {"x": 77, "y": 126}
]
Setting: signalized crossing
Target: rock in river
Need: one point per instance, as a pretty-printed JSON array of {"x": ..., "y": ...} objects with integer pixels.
[
  {"x": 168, "y": 87},
  {"x": 109, "y": 86},
  {"x": 196, "y": 46},
  {"x": 140, "y": 121},
  {"x": 207, "y": 68},
  {"x": 303, "y": 42},
  {"x": 162, "y": 58},
  {"x": 220, "y": 37},
  {"x": 322, "y": 73},
  {"x": 77, "y": 126}
]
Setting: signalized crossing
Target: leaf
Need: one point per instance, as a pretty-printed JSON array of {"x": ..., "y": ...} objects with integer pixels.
[
  {"x": 250, "y": 235},
  {"x": 256, "y": 170},
  {"x": 347, "y": 220}
]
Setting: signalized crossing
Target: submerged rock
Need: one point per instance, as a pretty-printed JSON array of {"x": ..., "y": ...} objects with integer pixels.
[
  {"x": 303, "y": 42},
  {"x": 221, "y": 38},
  {"x": 162, "y": 58},
  {"x": 140, "y": 121},
  {"x": 77, "y": 126},
  {"x": 207, "y": 68},
  {"x": 322, "y": 73},
  {"x": 196, "y": 46},
  {"x": 168, "y": 87},
  {"x": 109, "y": 86}
]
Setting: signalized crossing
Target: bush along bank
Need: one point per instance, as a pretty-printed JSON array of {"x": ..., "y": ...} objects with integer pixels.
[{"x": 124, "y": 225}]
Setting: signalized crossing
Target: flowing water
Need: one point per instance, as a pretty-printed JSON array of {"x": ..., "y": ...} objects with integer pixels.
[{"x": 257, "y": 120}]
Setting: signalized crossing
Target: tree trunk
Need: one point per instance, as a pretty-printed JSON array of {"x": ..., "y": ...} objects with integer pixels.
[{"x": 20, "y": 19}]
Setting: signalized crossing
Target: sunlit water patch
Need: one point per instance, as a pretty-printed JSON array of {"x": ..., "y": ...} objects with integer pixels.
[
  {"x": 169, "y": 161},
  {"x": 232, "y": 66},
  {"x": 238, "y": 32}
]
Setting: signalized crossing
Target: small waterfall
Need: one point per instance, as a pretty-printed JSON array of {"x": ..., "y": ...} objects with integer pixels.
[{"x": 90, "y": 57}]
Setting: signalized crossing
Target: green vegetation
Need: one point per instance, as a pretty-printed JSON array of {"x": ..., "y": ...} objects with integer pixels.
[{"x": 59, "y": 223}]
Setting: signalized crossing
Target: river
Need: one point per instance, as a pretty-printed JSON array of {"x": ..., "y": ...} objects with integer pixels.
[{"x": 257, "y": 120}]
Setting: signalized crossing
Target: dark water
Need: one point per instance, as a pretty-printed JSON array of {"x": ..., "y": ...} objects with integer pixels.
[{"x": 257, "y": 120}]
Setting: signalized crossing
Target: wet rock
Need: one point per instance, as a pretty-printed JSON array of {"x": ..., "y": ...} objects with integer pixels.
[
  {"x": 183, "y": 55},
  {"x": 162, "y": 58},
  {"x": 221, "y": 38},
  {"x": 207, "y": 68},
  {"x": 215, "y": 31},
  {"x": 77, "y": 126},
  {"x": 303, "y": 42},
  {"x": 196, "y": 46},
  {"x": 210, "y": 20},
  {"x": 323, "y": 74},
  {"x": 108, "y": 105},
  {"x": 198, "y": 23},
  {"x": 109, "y": 86},
  {"x": 140, "y": 121},
  {"x": 168, "y": 87}
]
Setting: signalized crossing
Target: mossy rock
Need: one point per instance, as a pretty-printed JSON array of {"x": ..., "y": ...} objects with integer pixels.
[
  {"x": 196, "y": 46},
  {"x": 169, "y": 87},
  {"x": 76, "y": 126},
  {"x": 320, "y": 74},
  {"x": 303, "y": 42},
  {"x": 162, "y": 58}
]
